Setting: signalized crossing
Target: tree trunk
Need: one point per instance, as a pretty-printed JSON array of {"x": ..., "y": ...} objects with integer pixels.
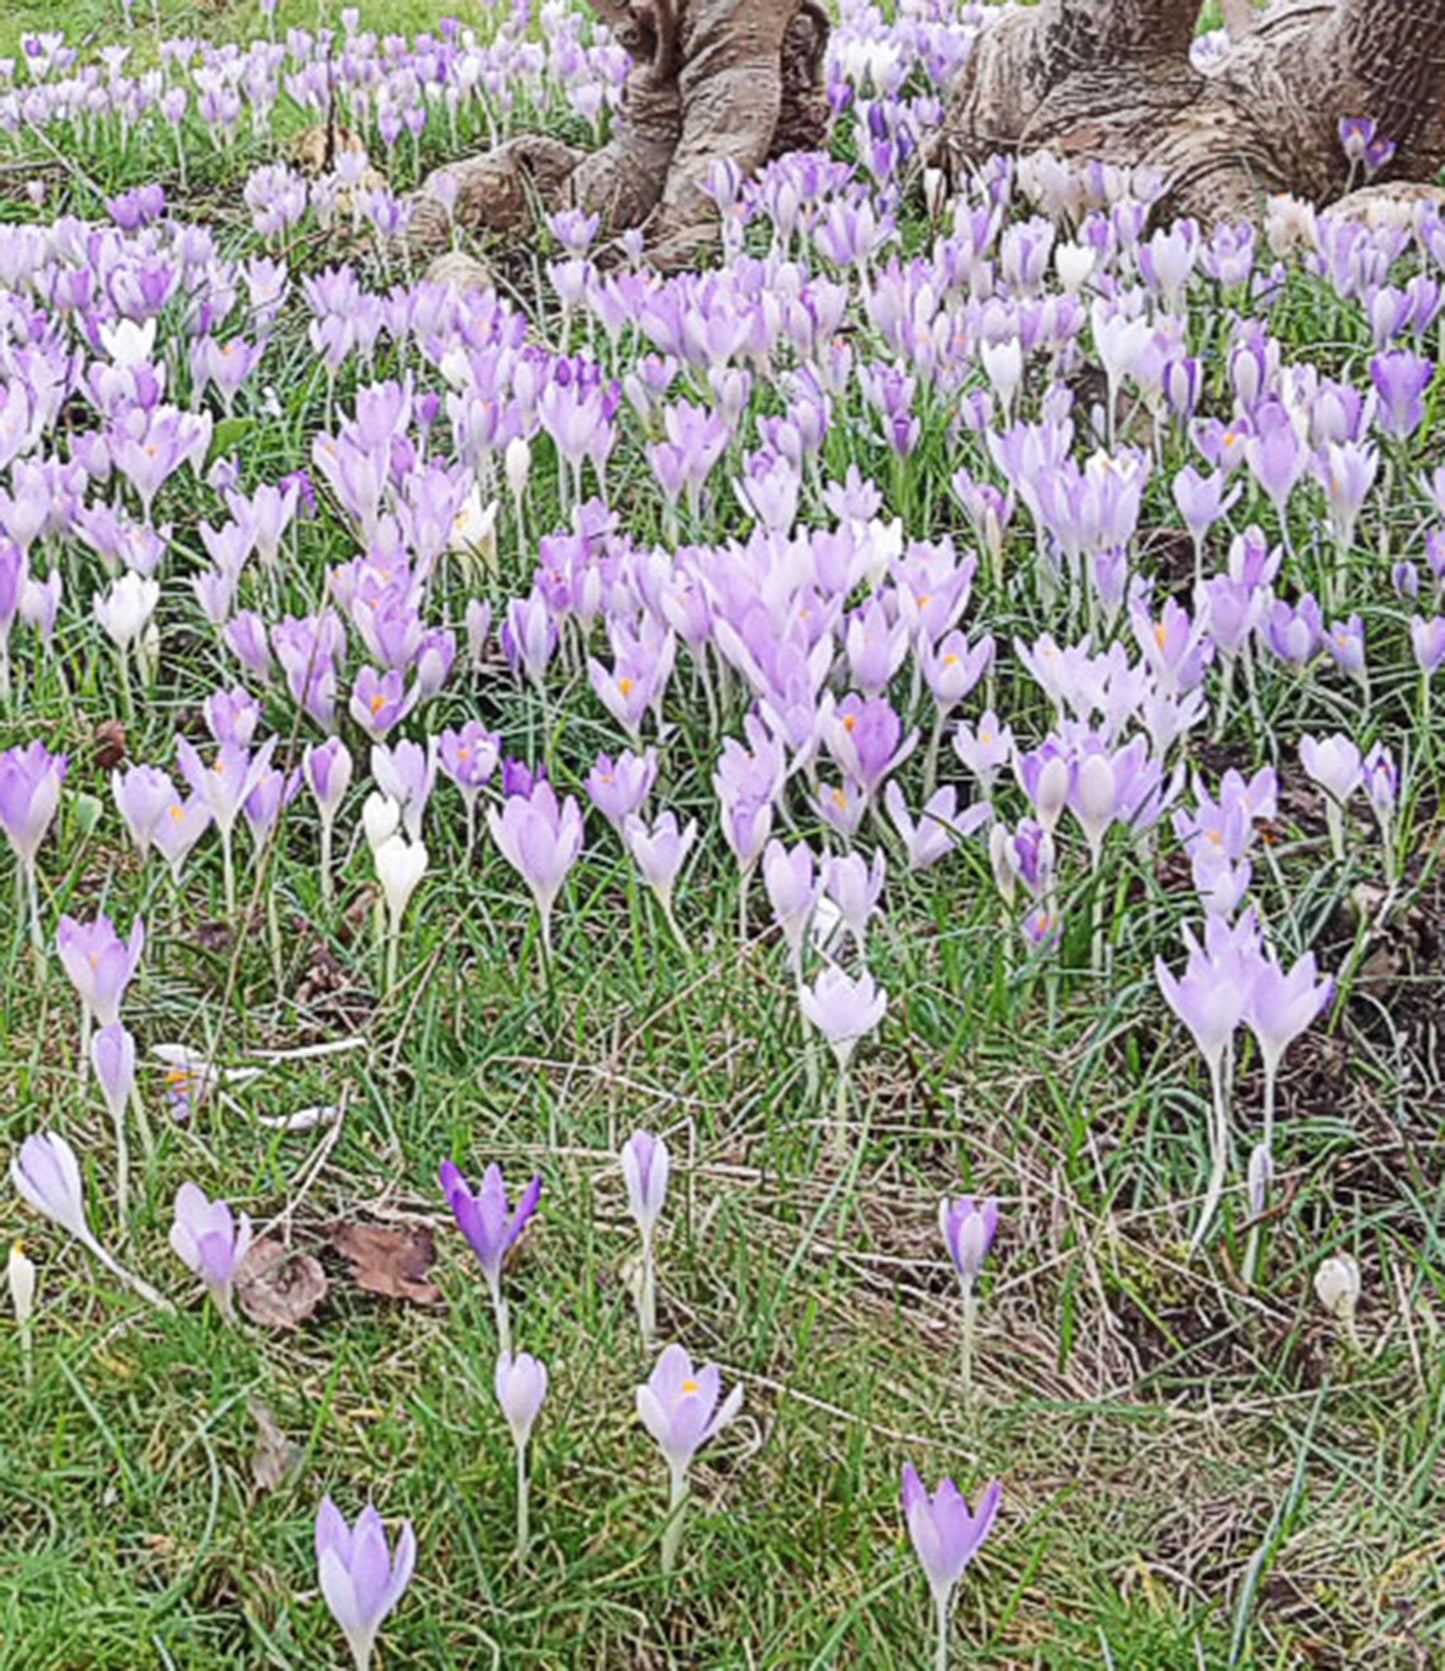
[
  {"x": 739, "y": 80},
  {"x": 1113, "y": 79}
]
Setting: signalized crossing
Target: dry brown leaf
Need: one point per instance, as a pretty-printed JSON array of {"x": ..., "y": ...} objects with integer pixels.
[
  {"x": 393, "y": 1263},
  {"x": 278, "y": 1287},
  {"x": 275, "y": 1456}
]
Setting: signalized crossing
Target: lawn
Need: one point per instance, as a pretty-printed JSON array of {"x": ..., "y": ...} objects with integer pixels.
[{"x": 1201, "y": 1464}]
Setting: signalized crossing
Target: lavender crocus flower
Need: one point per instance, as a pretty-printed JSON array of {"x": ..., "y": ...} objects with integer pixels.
[
  {"x": 326, "y": 768},
  {"x": 47, "y": 1176},
  {"x": 1211, "y": 999},
  {"x": 645, "y": 1168},
  {"x": 30, "y": 780},
  {"x": 946, "y": 1536},
  {"x": 792, "y": 890},
  {"x": 844, "y": 1010},
  {"x": 359, "y": 1578},
  {"x": 1427, "y": 640},
  {"x": 679, "y": 1407},
  {"x": 541, "y": 838},
  {"x": 100, "y": 964},
  {"x": 968, "y": 1232},
  {"x": 1401, "y": 379},
  {"x": 210, "y": 1242},
  {"x": 491, "y": 1227},
  {"x": 1334, "y": 764},
  {"x": 659, "y": 854},
  {"x": 469, "y": 757},
  {"x": 521, "y": 1384}
]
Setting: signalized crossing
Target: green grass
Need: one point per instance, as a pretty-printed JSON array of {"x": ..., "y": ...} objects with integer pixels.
[{"x": 1195, "y": 1475}]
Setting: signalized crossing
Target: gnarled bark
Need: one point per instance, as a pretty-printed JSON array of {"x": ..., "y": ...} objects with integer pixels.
[
  {"x": 711, "y": 79},
  {"x": 1113, "y": 79}
]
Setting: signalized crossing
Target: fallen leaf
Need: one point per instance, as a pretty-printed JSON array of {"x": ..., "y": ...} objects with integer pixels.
[
  {"x": 393, "y": 1263},
  {"x": 278, "y": 1287},
  {"x": 110, "y": 745},
  {"x": 275, "y": 1456}
]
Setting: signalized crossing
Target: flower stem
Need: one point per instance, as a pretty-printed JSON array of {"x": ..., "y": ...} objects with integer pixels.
[
  {"x": 676, "y": 1512},
  {"x": 970, "y": 1335},
  {"x": 1219, "y": 1151},
  {"x": 647, "y": 1294},
  {"x": 524, "y": 1514},
  {"x": 941, "y": 1610},
  {"x": 504, "y": 1325}
]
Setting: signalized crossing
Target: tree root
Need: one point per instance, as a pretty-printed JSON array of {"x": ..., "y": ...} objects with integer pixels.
[
  {"x": 711, "y": 80},
  {"x": 1113, "y": 79}
]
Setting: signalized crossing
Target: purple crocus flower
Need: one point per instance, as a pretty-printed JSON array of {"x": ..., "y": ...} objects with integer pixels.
[
  {"x": 1427, "y": 639},
  {"x": 659, "y": 854},
  {"x": 100, "y": 964},
  {"x": 541, "y": 838},
  {"x": 645, "y": 1169},
  {"x": 209, "y": 1242},
  {"x": 867, "y": 740},
  {"x": 792, "y": 889},
  {"x": 30, "y": 780},
  {"x": 619, "y": 788},
  {"x": 1280, "y": 1008},
  {"x": 490, "y": 1226},
  {"x": 1401, "y": 379},
  {"x": 679, "y": 1407},
  {"x": 946, "y": 1536},
  {"x": 844, "y": 1010},
  {"x": 143, "y": 795},
  {"x": 359, "y": 1578},
  {"x": 968, "y": 1232}
]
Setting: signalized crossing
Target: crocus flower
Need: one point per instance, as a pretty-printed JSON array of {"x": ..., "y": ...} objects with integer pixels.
[
  {"x": 209, "y": 1242},
  {"x": 645, "y": 1168},
  {"x": 1211, "y": 998},
  {"x": 843, "y": 1010},
  {"x": 100, "y": 964},
  {"x": 1337, "y": 1287},
  {"x": 541, "y": 839},
  {"x": 20, "y": 1279},
  {"x": 659, "y": 854},
  {"x": 326, "y": 768},
  {"x": 521, "y": 1384},
  {"x": 30, "y": 780},
  {"x": 679, "y": 1407},
  {"x": 946, "y": 1536},
  {"x": 490, "y": 1227},
  {"x": 792, "y": 889},
  {"x": 47, "y": 1175},
  {"x": 1427, "y": 639},
  {"x": 1334, "y": 764},
  {"x": 968, "y": 1233},
  {"x": 112, "y": 1056},
  {"x": 400, "y": 866},
  {"x": 359, "y": 1578}
]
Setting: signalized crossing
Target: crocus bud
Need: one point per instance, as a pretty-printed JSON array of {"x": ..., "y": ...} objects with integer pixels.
[
  {"x": 20, "y": 1273},
  {"x": 112, "y": 1055},
  {"x": 645, "y": 1167},
  {"x": 1337, "y": 1287},
  {"x": 999, "y": 851},
  {"x": 1261, "y": 1176},
  {"x": 517, "y": 461},
  {"x": 400, "y": 865},
  {"x": 968, "y": 1232},
  {"x": 380, "y": 818},
  {"x": 521, "y": 1388}
]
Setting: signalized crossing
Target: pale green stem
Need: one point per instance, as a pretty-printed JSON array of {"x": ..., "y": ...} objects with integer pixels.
[
  {"x": 524, "y": 1507},
  {"x": 1219, "y": 1152},
  {"x": 504, "y": 1326},
  {"x": 941, "y": 1614},
  {"x": 647, "y": 1294},
  {"x": 326, "y": 834},
  {"x": 142, "y": 1121},
  {"x": 228, "y": 872},
  {"x": 138, "y": 1284},
  {"x": 970, "y": 1336},
  {"x": 676, "y": 1513}
]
